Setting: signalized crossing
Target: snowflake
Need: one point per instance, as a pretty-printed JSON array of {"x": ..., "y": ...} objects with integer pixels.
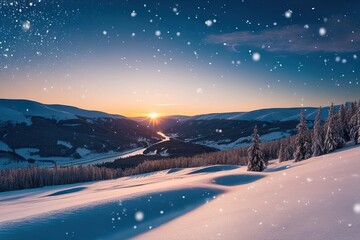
[
  {"x": 256, "y": 57},
  {"x": 209, "y": 23},
  {"x": 26, "y": 26},
  {"x": 356, "y": 208},
  {"x": 322, "y": 31},
  {"x": 288, "y": 13},
  {"x": 139, "y": 216}
]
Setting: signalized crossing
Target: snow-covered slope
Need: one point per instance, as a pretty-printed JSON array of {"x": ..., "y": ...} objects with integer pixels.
[
  {"x": 314, "y": 199},
  {"x": 20, "y": 111}
]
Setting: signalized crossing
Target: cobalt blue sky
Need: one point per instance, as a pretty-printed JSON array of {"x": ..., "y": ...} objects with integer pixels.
[{"x": 180, "y": 57}]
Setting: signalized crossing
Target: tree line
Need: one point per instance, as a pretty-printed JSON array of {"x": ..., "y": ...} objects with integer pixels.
[{"x": 325, "y": 137}]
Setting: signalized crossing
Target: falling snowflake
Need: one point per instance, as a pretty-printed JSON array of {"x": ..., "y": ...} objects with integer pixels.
[
  {"x": 306, "y": 26},
  {"x": 133, "y": 14},
  {"x": 356, "y": 208},
  {"x": 104, "y": 33},
  {"x": 139, "y": 216},
  {"x": 288, "y": 13},
  {"x": 256, "y": 57},
  {"x": 209, "y": 23},
  {"x": 26, "y": 26},
  {"x": 199, "y": 91},
  {"x": 158, "y": 33},
  {"x": 176, "y": 11},
  {"x": 322, "y": 31},
  {"x": 178, "y": 34}
]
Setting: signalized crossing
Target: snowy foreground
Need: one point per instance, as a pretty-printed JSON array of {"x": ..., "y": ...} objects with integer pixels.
[{"x": 314, "y": 199}]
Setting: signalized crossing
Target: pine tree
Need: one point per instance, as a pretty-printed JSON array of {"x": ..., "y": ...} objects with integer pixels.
[
  {"x": 355, "y": 127},
  {"x": 282, "y": 153},
  {"x": 303, "y": 140},
  {"x": 318, "y": 136},
  {"x": 256, "y": 161},
  {"x": 350, "y": 112},
  {"x": 333, "y": 139},
  {"x": 342, "y": 125}
]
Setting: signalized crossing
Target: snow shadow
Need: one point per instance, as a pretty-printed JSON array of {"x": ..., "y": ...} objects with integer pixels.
[
  {"x": 121, "y": 219},
  {"x": 238, "y": 179},
  {"x": 67, "y": 191},
  {"x": 278, "y": 169},
  {"x": 212, "y": 169}
]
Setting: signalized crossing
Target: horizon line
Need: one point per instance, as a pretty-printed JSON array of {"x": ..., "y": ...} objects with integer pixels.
[{"x": 169, "y": 115}]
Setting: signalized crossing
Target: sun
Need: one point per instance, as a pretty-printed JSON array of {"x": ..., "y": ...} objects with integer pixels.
[{"x": 153, "y": 116}]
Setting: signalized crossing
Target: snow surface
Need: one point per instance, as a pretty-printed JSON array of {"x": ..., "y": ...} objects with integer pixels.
[
  {"x": 4, "y": 147},
  {"x": 21, "y": 111},
  {"x": 26, "y": 152},
  {"x": 64, "y": 143},
  {"x": 89, "y": 159},
  {"x": 313, "y": 199},
  {"x": 83, "y": 151},
  {"x": 243, "y": 141}
]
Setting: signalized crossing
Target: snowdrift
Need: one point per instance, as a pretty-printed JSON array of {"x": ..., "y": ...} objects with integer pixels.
[{"x": 314, "y": 199}]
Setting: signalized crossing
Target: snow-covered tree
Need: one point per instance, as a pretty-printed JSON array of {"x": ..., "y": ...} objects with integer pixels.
[
  {"x": 355, "y": 127},
  {"x": 342, "y": 123},
  {"x": 333, "y": 138},
  {"x": 350, "y": 112},
  {"x": 303, "y": 140},
  {"x": 256, "y": 161},
  {"x": 318, "y": 136}
]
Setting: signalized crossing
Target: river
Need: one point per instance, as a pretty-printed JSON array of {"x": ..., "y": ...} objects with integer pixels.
[{"x": 112, "y": 157}]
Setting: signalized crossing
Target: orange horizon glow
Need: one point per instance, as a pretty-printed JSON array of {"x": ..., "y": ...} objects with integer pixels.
[{"x": 155, "y": 113}]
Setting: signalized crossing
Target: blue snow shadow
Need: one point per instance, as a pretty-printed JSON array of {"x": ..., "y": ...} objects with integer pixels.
[
  {"x": 278, "y": 169},
  {"x": 67, "y": 191},
  {"x": 110, "y": 220},
  {"x": 238, "y": 179},
  {"x": 212, "y": 169}
]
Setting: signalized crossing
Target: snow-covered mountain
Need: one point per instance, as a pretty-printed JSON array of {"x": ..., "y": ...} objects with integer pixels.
[
  {"x": 233, "y": 130},
  {"x": 266, "y": 115},
  {"x": 20, "y": 111},
  {"x": 40, "y": 133}
]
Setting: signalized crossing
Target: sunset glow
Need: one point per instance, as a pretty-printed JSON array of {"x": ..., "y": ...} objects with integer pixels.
[{"x": 153, "y": 116}]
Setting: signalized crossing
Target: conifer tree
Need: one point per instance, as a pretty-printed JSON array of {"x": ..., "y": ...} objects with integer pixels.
[
  {"x": 355, "y": 127},
  {"x": 333, "y": 139},
  {"x": 318, "y": 136},
  {"x": 256, "y": 161},
  {"x": 342, "y": 123},
  {"x": 282, "y": 153},
  {"x": 303, "y": 140}
]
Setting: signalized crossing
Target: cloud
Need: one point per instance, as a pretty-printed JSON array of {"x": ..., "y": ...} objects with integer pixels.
[{"x": 340, "y": 37}]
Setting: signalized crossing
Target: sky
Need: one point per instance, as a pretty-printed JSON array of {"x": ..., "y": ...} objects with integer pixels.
[{"x": 180, "y": 57}]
